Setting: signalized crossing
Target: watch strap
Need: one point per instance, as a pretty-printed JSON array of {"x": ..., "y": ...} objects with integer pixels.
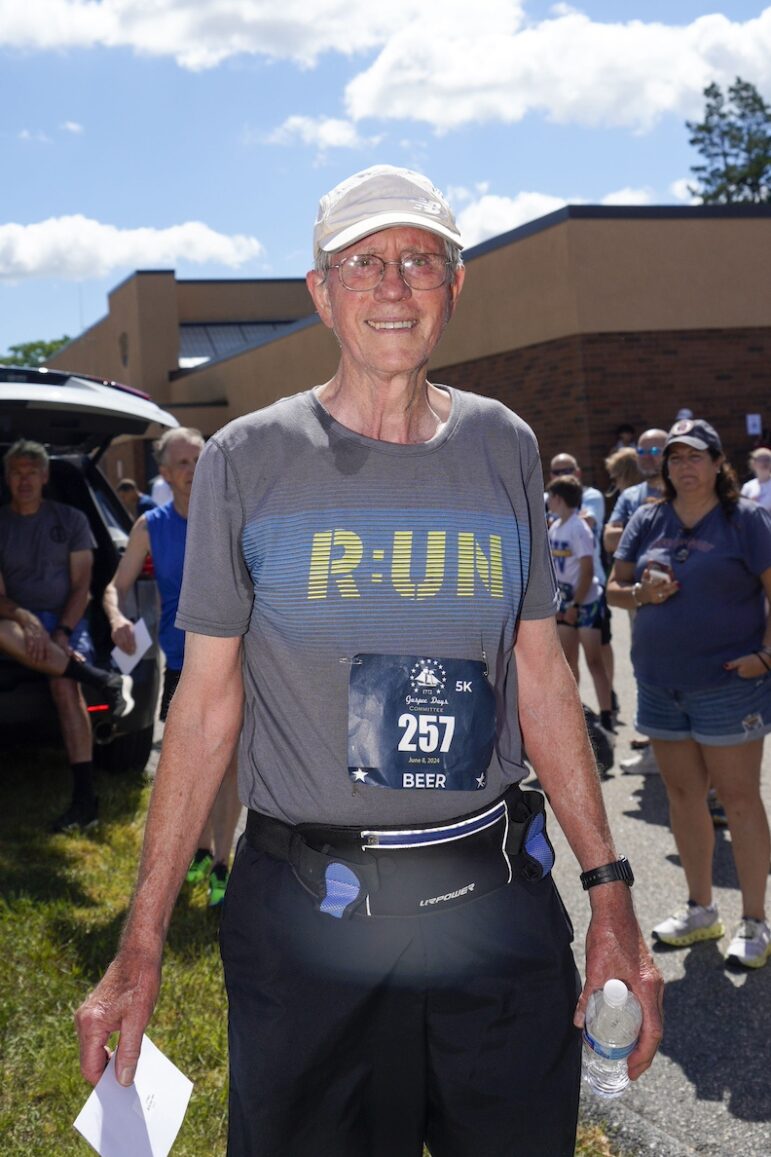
[{"x": 619, "y": 870}]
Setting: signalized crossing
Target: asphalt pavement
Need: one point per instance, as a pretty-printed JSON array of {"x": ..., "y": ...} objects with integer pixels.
[{"x": 709, "y": 1088}]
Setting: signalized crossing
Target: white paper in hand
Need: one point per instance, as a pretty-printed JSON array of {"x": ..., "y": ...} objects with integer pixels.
[
  {"x": 143, "y": 1120},
  {"x": 125, "y": 662}
]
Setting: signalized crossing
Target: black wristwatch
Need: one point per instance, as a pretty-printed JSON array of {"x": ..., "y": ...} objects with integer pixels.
[
  {"x": 608, "y": 874},
  {"x": 67, "y": 630}
]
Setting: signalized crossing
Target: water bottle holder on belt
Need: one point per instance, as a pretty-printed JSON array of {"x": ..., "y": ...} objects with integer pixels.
[{"x": 394, "y": 871}]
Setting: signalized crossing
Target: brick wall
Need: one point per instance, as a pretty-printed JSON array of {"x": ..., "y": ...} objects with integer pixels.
[{"x": 574, "y": 392}]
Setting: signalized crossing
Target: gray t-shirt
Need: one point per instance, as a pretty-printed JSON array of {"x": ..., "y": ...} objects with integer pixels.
[
  {"x": 35, "y": 553},
  {"x": 319, "y": 545}
]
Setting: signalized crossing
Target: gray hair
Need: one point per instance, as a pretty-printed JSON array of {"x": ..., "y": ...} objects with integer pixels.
[
  {"x": 324, "y": 261},
  {"x": 161, "y": 445},
  {"x": 23, "y": 448}
]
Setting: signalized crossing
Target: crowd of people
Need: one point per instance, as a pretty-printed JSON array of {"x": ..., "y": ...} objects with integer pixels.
[{"x": 398, "y": 963}]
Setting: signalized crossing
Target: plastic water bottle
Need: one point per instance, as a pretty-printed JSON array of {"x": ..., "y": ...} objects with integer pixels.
[{"x": 611, "y": 1029}]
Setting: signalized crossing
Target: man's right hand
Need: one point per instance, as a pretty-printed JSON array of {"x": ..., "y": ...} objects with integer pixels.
[
  {"x": 123, "y": 1002},
  {"x": 36, "y": 638},
  {"x": 123, "y": 636}
]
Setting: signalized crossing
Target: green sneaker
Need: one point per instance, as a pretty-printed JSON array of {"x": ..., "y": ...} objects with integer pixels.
[
  {"x": 200, "y": 866},
  {"x": 218, "y": 882}
]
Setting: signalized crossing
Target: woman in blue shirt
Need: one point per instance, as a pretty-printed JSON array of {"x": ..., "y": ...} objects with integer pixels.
[{"x": 697, "y": 566}]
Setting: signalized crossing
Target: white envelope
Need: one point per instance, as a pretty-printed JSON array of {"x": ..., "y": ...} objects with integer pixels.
[
  {"x": 125, "y": 662},
  {"x": 143, "y": 1120}
]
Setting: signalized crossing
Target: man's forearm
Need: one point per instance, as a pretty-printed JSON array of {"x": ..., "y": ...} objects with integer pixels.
[
  {"x": 75, "y": 607},
  {"x": 197, "y": 747},
  {"x": 611, "y": 537},
  {"x": 557, "y": 744},
  {"x": 8, "y": 608},
  {"x": 111, "y": 603}
]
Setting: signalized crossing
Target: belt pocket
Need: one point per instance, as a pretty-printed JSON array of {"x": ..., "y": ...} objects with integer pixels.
[{"x": 527, "y": 841}]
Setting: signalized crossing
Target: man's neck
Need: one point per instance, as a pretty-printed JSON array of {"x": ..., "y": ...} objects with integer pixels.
[{"x": 25, "y": 509}]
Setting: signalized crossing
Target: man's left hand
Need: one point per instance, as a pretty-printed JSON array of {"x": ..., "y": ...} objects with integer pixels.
[
  {"x": 615, "y": 948},
  {"x": 62, "y": 640}
]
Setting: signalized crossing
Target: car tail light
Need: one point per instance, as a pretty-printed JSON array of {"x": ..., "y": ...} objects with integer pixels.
[{"x": 148, "y": 569}]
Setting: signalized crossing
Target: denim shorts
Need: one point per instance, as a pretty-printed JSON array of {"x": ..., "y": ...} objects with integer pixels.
[
  {"x": 79, "y": 640},
  {"x": 737, "y": 711}
]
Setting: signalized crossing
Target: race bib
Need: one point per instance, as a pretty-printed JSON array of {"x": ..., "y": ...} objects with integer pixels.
[{"x": 417, "y": 723}]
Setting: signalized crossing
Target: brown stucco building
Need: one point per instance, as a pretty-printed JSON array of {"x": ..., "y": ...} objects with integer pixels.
[{"x": 584, "y": 319}]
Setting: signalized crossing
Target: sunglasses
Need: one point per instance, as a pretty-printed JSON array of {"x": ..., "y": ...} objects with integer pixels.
[
  {"x": 653, "y": 452},
  {"x": 564, "y": 470}
]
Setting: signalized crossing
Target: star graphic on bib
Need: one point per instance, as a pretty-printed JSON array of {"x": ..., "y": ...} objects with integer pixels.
[
  {"x": 481, "y": 780},
  {"x": 359, "y": 775}
]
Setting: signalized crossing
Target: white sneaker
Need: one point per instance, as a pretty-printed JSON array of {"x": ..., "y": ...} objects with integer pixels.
[
  {"x": 641, "y": 763},
  {"x": 689, "y": 925},
  {"x": 751, "y": 944}
]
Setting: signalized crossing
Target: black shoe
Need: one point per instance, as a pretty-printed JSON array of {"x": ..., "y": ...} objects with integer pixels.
[
  {"x": 118, "y": 692},
  {"x": 81, "y": 815}
]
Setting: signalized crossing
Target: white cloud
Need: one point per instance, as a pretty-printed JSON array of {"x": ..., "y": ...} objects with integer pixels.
[
  {"x": 36, "y": 137},
  {"x": 321, "y": 132},
  {"x": 491, "y": 215},
  {"x": 445, "y": 63},
  {"x": 71, "y": 127},
  {"x": 80, "y": 248},
  {"x": 570, "y": 69},
  {"x": 201, "y": 34},
  {"x": 629, "y": 197},
  {"x": 679, "y": 189}
]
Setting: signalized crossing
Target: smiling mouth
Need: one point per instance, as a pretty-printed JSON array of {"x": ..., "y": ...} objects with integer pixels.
[{"x": 380, "y": 325}]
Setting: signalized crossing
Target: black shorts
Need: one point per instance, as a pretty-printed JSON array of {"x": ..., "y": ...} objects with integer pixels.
[
  {"x": 170, "y": 680},
  {"x": 360, "y": 1036}
]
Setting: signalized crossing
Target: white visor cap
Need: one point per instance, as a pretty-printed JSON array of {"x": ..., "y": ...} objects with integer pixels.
[{"x": 379, "y": 198}]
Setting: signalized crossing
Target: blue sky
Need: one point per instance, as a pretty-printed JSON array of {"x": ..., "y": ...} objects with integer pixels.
[{"x": 198, "y": 135}]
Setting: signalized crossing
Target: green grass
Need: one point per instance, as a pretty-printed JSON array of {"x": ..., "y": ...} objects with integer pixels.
[{"x": 63, "y": 903}]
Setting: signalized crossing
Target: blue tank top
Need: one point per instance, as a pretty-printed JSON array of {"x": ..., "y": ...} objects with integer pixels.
[{"x": 168, "y": 531}]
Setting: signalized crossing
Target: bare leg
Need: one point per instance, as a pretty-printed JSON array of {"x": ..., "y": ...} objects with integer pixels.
[
  {"x": 608, "y": 661},
  {"x": 686, "y": 779},
  {"x": 590, "y": 641},
  {"x": 735, "y": 773},
  {"x": 12, "y": 643},
  {"x": 569, "y": 639},
  {"x": 73, "y": 719}
]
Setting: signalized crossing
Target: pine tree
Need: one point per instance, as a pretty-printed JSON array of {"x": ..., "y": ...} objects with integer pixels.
[{"x": 735, "y": 141}]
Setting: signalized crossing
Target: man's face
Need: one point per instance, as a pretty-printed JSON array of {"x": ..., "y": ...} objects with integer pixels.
[
  {"x": 649, "y": 452},
  {"x": 564, "y": 464},
  {"x": 179, "y": 462},
  {"x": 761, "y": 464},
  {"x": 26, "y": 479},
  {"x": 390, "y": 329},
  {"x": 129, "y": 497}
]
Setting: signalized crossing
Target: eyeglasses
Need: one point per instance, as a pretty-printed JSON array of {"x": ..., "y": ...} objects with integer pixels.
[
  {"x": 653, "y": 452},
  {"x": 564, "y": 470},
  {"x": 364, "y": 271}
]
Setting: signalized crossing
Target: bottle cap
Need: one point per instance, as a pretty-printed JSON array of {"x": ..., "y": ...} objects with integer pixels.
[{"x": 615, "y": 993}]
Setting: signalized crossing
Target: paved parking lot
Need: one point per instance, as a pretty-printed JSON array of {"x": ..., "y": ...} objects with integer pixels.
[{"x": 709, "y": 1090}]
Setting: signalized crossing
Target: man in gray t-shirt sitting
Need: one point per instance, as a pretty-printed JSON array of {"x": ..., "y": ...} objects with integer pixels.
[{"x": 46, "y": 558}]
